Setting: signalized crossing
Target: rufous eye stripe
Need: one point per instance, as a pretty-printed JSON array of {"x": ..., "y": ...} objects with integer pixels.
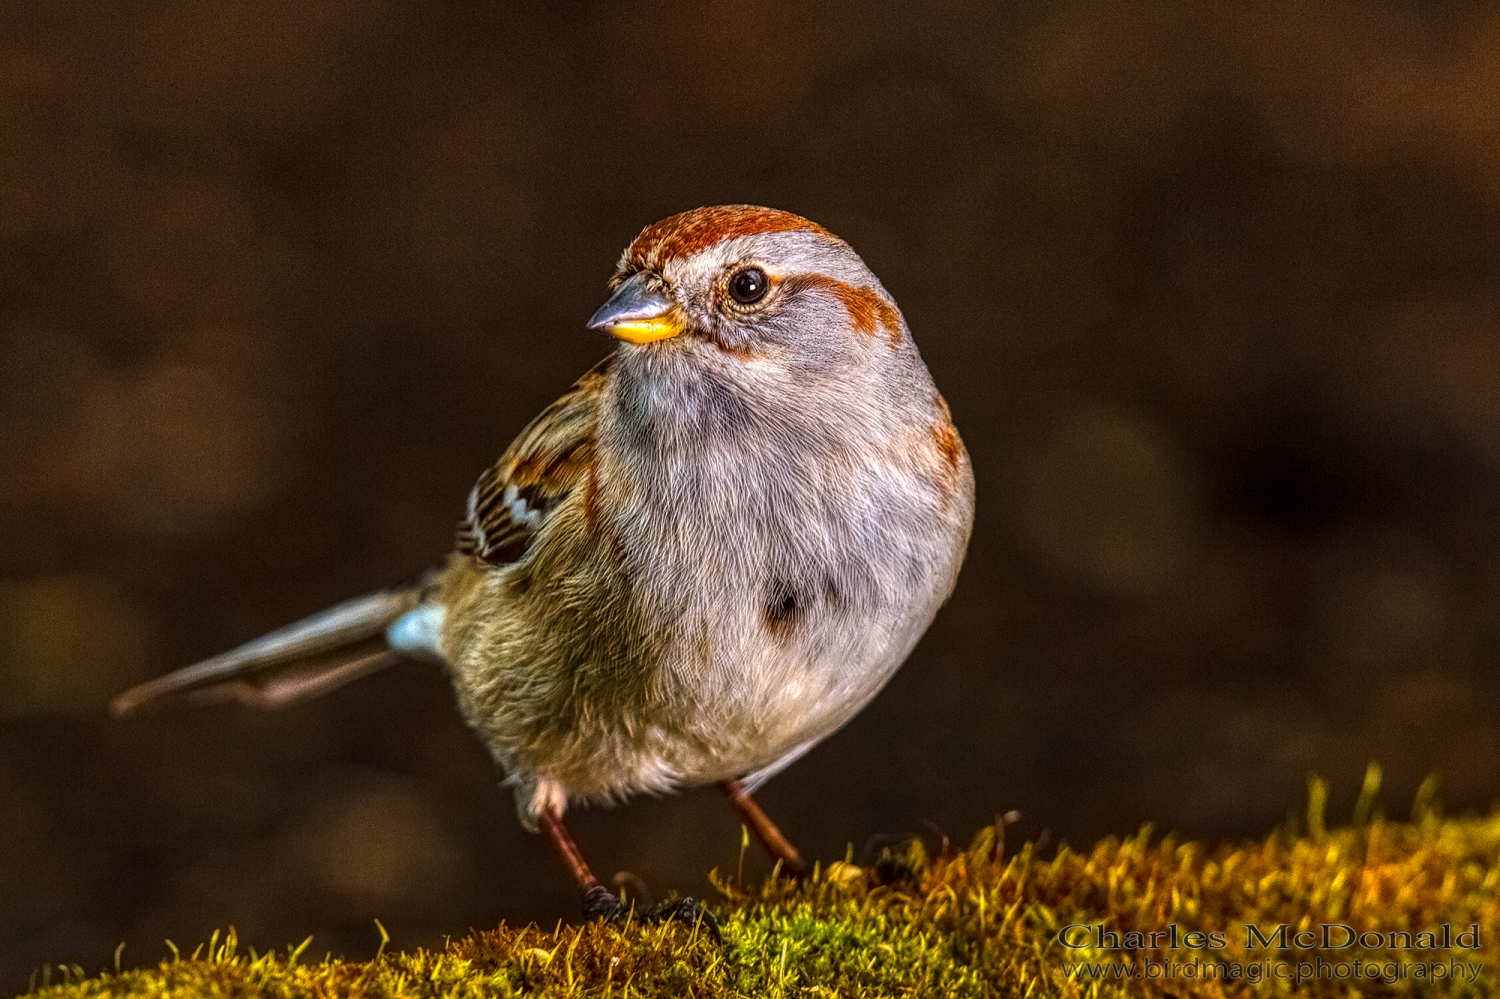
[
  {"x": 682, "y": 235},
  {"x": 868, "y": 311}
]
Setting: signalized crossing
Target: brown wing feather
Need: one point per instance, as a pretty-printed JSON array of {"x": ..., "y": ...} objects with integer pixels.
[{"x": 552, "y": 457}]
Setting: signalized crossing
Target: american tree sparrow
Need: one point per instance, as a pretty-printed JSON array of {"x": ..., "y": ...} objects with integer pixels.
[{"x": 704, "y": 558}]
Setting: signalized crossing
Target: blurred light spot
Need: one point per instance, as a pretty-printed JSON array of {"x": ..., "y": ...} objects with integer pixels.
[
  {"x": 178, "y": 449},
  {"x": 1438, "y": 355},
  {"x": 379, "y": 848},
  {"x": 1108, "y": 504},
  {"x": 1386, "y": 610},
  {"x": 67, "y": 643}
]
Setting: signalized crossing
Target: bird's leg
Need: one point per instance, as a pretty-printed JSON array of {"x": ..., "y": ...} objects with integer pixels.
[
  {"x": 598, "y": 901},
  {"x": 601, "y": 903},
  {"x": 764, "y": 829}
]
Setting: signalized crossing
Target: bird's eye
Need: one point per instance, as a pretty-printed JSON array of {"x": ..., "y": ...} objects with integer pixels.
[{"x": 749, "y": 285}]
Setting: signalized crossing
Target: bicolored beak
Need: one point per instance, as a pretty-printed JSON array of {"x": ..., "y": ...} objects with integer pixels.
[{"x": 637, "y": 314}]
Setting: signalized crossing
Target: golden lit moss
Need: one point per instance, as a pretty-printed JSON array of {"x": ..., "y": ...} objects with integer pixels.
[{"x": 974, "y": 923}]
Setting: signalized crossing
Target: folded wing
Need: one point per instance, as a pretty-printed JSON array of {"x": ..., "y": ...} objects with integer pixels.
[{"x": 552, "y": 458}]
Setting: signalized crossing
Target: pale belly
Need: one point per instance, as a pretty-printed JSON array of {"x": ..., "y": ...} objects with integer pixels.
[
  {"x": 741, "y": 638},
  {"x": 750, "y": 703}
]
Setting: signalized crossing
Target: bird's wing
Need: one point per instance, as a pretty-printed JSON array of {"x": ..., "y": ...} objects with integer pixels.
[{"x": 551, "y": 459}]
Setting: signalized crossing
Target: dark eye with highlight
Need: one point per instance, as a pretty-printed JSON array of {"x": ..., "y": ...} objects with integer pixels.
[{"x": 748, "y": 285}]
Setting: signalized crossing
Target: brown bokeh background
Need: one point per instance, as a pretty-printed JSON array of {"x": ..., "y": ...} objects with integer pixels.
[{"x": 1213, "y": 290}]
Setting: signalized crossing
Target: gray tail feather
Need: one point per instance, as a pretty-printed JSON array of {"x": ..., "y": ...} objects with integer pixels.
[{"x": 292, "y": 664}]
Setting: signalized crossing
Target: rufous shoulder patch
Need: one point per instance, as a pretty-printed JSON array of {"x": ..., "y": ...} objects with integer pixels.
[
  {"x": 945, "y": 435},
  {"x": 687, "y": 233}
]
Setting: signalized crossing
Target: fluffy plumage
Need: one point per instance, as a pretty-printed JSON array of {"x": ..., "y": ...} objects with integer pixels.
[{"x": 716, "y": 547}]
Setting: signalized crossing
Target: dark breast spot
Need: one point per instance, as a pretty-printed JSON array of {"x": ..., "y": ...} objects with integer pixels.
[{"x": 784, "y": 608}]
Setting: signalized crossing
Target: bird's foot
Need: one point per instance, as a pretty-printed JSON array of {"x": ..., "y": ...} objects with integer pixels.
[
  {"x": 686, "y": 910},
  {"x": 601, "y": 903},
  {"x": 893, "y": 859},
  {"x": 793, "y": 869}
]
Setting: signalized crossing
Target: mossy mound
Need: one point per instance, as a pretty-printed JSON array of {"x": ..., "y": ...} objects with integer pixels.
[{"x": 980, "y": 923}]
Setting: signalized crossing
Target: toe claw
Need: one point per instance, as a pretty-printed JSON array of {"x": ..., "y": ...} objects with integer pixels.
[
  {"x": 685, "y": 909},
  {"x": 890, "y": 858},
  {"x": 601, "y": 903}
]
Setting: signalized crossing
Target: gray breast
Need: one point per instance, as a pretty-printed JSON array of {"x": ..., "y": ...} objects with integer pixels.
[{"x": 792, "y": 564}]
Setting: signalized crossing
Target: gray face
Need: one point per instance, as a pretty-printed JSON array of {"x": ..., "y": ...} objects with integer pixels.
[
  {"x": 822, "y": 354},
  {"x": 801, "y": 320}
]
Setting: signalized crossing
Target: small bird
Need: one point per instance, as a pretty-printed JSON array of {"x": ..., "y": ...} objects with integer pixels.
[{"x": 703, "y": 559}]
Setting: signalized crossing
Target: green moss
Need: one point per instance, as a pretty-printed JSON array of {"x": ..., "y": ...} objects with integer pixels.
[{"x": 970, "y": 924}]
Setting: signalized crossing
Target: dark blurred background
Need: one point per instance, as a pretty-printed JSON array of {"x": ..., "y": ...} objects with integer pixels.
[{"x": 1213, "y": 290}]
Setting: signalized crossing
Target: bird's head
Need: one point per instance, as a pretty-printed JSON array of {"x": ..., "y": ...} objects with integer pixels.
[{"x": 751, "y": 282}]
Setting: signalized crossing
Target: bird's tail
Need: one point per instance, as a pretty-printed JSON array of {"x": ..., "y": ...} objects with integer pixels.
[{"x": 310, "y": 658}]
